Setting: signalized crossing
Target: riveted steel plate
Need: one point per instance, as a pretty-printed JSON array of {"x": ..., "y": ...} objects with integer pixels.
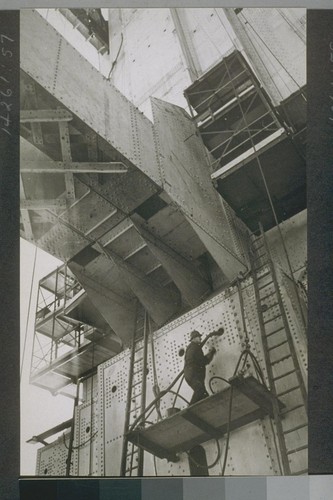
[
  {"x": 188, "y": 183},
  {"x": 51, "y": 459},
  {"x": 67, "y": 75}
]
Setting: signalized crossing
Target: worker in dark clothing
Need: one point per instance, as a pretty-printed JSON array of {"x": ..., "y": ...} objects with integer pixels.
[{"x": 195, "y": 364}]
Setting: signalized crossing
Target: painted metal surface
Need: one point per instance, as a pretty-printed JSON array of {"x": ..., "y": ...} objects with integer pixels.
[
  {"x": 208, "y": 34},
  {"x": 116, "y": 304},
  {"x": 171, "y": 226},
  {"x": 187, "y": 278},
  {"x": 87, "y": 439},
  {"x": 161, "y": 303},
  {"x": 266, "y": 37},
  {"x": 165, "y": 76},
  {"x": 294, "y": 234},
  {"x": 168, "y": 344},
  {"x": 252, "y": 448},
  {"x": 51, "y": 459},
  {"x": 63, "y": 72},
  {"x": 187, "y": 181}
]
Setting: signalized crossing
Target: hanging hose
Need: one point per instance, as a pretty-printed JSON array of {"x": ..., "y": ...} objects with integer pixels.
[
  {"x": 168, "y": 389},
  {"x": 215, "y": 461},
  {"x": 116, "y": 59},
  {"x": 270, "y": 200},
  {"x": 156, "y": 389},
  {"x": 81, "y": 444},
  {"x": 228, "y": 432},
  {"x": 28, "y": 315},
  {"x": 177, "y": 392}
]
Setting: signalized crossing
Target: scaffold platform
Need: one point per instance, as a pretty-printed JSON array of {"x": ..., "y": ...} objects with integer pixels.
[{"x": 207, "y": 419}]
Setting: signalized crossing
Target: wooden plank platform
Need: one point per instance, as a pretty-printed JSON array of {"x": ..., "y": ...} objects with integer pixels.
[{"x": 206, "y": 419}]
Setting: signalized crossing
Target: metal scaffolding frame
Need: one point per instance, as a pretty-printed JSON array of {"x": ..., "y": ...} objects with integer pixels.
[{"x": 220, "y": 100}]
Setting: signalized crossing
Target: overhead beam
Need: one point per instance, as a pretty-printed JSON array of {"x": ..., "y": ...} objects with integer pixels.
[
  {"x": 44, "y": 166},
  {"x": 45, "y": 115},
  {"x": 184, "y": 274},
  {"x": 188, "y": 183},
  {"x": 118, "y": 310},
  {"x": 44, "y": 435},
  {"x": 161, "y": 303},
  {"x": 42, "y": 204},
  {"x": 86, "y": 93},
  {"x": 186, "y": 51}
]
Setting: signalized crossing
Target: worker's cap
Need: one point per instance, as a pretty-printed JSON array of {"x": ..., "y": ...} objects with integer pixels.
[{"x": 195, "y": 334}]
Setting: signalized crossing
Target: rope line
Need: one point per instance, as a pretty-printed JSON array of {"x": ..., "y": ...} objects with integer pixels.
[{"x": 28, "y": 316}]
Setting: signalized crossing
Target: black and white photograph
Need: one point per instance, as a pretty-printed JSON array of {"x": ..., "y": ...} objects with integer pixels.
[{"x": 163, "y": 225}]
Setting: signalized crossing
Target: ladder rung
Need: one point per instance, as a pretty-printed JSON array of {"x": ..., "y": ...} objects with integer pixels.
[
  {"x": 295, "y": 428},
  {"x": 257, "y": 248},
  {"x": 278, "y": 345},
  {"x": 137, "y": 383},
  {"x": 284, "y": 412},
  {"x": 281, "y": 359},
  {"x": 284, "y": 375},
  {"x": 288, "y": 391},
  {"x": 259, "y": 256},
  {"x": 275, "y": 331},
  {"x": 268, "y": 295},
  {"x": 272, "y": 319},
  {"x": 131, "y": 453},
  {"x": 295, "y": 450},
  {"x": 260, "y": 267},
  {"x": 266, "y": 284},
  {"x": 138, "y": 360},
  {"x": 271, "y": 306}
]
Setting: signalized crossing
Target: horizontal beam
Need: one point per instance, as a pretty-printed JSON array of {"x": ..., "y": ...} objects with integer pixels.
[
  {"x": 45, "y": 115},
  {"x": 201, "y": 424},
  {"x": 42, "y": 204},
  {"x": 46, "y": 166},
  {"x": 250, "y": 154},
  {"x": 58, "y": 428}
]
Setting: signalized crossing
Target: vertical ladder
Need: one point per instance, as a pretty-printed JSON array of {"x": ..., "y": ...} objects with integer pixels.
[
  {"x": 132, "y": 456},
  {"x": 283, "y": 368}
]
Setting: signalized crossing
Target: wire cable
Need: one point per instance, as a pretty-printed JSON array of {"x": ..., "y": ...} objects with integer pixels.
[
  {"x": 81, "y": 444},
  {"x": 272, "y": 53},
  {"x": 204, "y": 465},
  {"x": 228, "y": 423},
  {"x": 228, "y": 432},
  {"x": 28, "y": 316},
  {"x": 218, "y": 378},
  {"x": 116, "y": 59},
  {"x": 295, "y": 30},
  {"x": 270, "y": 202},
  {"x": 156, "y": 389},
  {"x": 177, "y": 392}
]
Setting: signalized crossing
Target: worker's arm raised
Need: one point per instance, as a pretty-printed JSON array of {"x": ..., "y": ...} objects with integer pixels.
[{"x": 215, "y": 333}]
